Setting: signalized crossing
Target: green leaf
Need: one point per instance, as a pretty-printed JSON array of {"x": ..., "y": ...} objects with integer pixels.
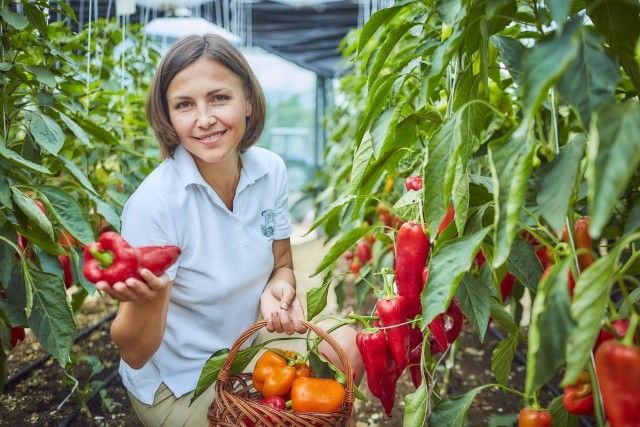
[
  {"x": 415, "y": 407},
  {"x": 382, "y": 52},
  {"x": 618, "y": 21},
  {"x": 375, "y": 21},
  {"x": 544, "y": 64},
  {"x": 502, "y": 358},
  {"x": 452, "y": 411},
  {"x": 561, "y": 418},
  {"x": 377, "y": 101},
  {"x": 590, "y": 299},
  {"x": 340, "y": 246},
  {"x": 510, "y": 161},
  {"x": 383, "y": 129},
  {"x": 46, "y": 132},
  {"x": 212, "y": 367},
  {"x": 76, "y": 129},
  {"x": 77, "y": 263},
  {"x": 43, "y": 75},
  {"x": 441, "y": 59},
  {"x": 557, "y": 182},
  {"x": 591, "y": 79},
  {"x": 559, "y": 10},
  {"x": 69, "y": 213},
  {"x": 320, "y": 367},
  {"x": 317, "y": 300},
  {"x": 77, "y": 173},
  {"x": 331, "y": 211},
  {"x": 29, "y": 207},
  {"x": 106, "y": 211},
  {"x": 410, "y": 198},
  {"x": 523, "y": 263},
  {"x": 18, "y": 22},
  {"x": 549, "y": 312},
  {"x": 613, "y": 153},
  {"x": 503, "y": 318},
  {"x": 14, "y": 157},
  {"x": 446, "y": 268},
  {"x": 511, "y": 52},
  {"x": 361, "y": 159},
  {"x": 51, "y": 318},
  {"x": 5, "y": 66},
  {"x": 474, "y": 295},
  {"x": 36, "y": 17}
]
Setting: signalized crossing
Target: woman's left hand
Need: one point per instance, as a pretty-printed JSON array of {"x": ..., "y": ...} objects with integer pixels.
[{"x": 281, "y": 308}]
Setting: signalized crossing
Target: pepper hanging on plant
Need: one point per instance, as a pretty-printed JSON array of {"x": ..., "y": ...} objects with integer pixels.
[
  {"x": 392, "y": 312},
  {"x": 534, "y": 417},
  {"x": 412, "y": 251},
  {"x": 578, "y": 397},
  {"x": 618, "y": 372}
]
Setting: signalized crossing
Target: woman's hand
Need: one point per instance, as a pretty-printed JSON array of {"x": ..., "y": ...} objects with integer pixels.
[
  {"x": 281, "y": 308},
  {"x": 138, "y": 291}
]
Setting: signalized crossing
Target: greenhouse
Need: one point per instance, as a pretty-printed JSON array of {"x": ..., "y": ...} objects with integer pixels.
[{"x": 328, "y": 213}]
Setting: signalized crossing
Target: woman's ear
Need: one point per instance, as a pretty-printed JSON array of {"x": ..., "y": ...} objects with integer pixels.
[{"x": 248, "y": 108}]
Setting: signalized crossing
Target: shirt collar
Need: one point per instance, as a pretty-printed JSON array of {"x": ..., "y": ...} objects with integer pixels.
[{"x": 253, "y": 167}]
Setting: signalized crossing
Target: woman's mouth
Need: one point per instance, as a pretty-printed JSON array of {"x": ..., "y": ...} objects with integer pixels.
[{"x": 211, "y": 138}]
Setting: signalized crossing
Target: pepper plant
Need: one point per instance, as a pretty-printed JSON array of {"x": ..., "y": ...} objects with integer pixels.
[
  {"x": 73, "y": 144},
  {"x": 522, "y": 119}
]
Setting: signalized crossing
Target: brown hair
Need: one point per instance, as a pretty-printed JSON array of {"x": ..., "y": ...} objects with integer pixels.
[{"x": 185, "y": 52}]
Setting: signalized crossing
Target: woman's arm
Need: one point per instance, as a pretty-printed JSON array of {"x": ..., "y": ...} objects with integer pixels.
[
  {"x": 279, "y": 305},
  {"x": 140, "y": 322}
]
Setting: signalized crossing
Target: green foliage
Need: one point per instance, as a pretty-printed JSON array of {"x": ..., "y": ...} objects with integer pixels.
[{"x": 523, "y": 117}]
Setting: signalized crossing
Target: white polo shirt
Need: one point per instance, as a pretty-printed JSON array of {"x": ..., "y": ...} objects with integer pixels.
[{"x": 225, "y": 263}]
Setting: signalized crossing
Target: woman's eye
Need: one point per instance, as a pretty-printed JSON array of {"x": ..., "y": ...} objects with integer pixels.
[
  {"x": 220, "y": 98},
  {"x": 182, "y": 105}
]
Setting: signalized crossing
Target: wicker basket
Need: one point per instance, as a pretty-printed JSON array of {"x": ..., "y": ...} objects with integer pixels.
[{"x": 236, "y": 400}]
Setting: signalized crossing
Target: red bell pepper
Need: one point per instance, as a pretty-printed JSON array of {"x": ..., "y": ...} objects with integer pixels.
[
  {"x": 413, "y": 183},
  {"x": 113, "y": 260},
  {"x": 275, "y": 402},
  {"x": 578, "y": 397},
  {"x": 618, "y": 371},
  {"x": 392, "y": 313},
  {"x": 412, "y": 251},
  {"x": 506, "y": 285},
  {"x": 532, "y": 417}
]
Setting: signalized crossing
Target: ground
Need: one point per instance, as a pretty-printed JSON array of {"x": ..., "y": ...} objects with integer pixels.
[{"x": 34, "y": 400}]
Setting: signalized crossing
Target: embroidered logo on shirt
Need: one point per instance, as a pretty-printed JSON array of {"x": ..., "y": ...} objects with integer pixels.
[{"x": 268, "y": 228}]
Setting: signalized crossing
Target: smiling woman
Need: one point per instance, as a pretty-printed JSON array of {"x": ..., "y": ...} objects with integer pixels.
[{"x": 223, "y": 202}]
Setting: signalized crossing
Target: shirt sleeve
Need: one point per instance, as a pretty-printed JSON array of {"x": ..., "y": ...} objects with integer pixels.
[
  {"x": 147, "y": 221},
  {"x": 283, "y": 227}
]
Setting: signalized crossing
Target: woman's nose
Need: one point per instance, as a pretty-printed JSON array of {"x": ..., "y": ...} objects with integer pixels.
[{"x": 206, "y": 117}]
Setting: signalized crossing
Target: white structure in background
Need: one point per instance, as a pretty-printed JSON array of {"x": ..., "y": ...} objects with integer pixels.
[{"x": 170, "y": 29}]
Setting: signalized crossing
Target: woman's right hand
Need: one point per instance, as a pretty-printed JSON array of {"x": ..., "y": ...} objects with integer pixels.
[{"x": 138, "y": 291}]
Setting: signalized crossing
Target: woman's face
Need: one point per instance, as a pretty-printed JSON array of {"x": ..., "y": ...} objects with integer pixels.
[{"x": 208, "y": 108}]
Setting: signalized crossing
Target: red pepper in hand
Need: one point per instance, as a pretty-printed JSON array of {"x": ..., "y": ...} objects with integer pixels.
[
  {"x": 392, "y": 314},
  {"x": 158, "y": 258},
  {"x": 113, "y": 260},
  {"x": 578, "y": 397},
  {"x": 531, "y": 417},
  {"x": 412, "y": 251},
  {"x": 413, "y": 183},
  {"x": 618, "y": 371}
]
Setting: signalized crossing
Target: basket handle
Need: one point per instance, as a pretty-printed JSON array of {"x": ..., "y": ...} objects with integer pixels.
[{"x": 223, "y": 374}]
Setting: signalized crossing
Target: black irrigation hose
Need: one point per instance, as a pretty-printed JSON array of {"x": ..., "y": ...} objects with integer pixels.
[
  {"x": 555, "y": 391},
  {"x": 41, "y": 360},
  {"x": 108, "y": 380}
]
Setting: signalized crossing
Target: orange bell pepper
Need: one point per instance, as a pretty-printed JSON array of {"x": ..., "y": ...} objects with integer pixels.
[
  {"x": 316, "y": 395},
  {"x": 272, "y": 376}
]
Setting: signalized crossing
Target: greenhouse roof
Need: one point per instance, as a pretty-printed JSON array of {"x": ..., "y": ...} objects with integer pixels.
[{"x": 305, "y": 32}]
